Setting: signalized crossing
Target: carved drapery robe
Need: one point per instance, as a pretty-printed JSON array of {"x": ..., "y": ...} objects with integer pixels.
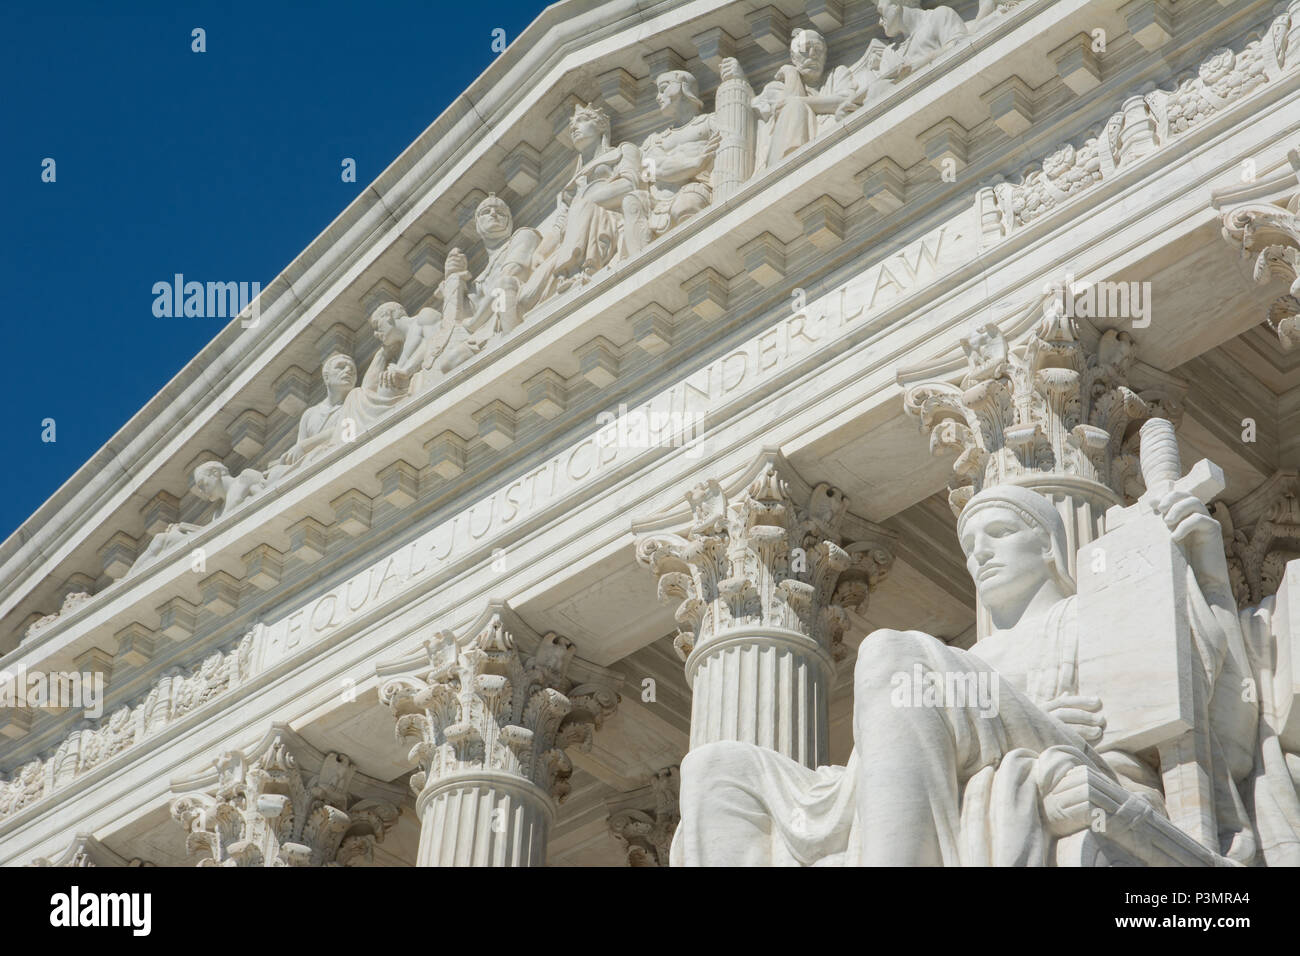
[
  {"x": 587, "y": 234},
  {"x": 792, "y": 122},
  {"x": 960, "y": 787}
]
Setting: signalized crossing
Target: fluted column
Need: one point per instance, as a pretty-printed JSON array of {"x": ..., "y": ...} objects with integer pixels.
[
  {"x": 1055, "y": 413},
  {"x": 489, "y": 714},
  {"x": 734, "y": 115},
  {"x": 765, "y": 574},
  {"x": 284, "y": 803}
]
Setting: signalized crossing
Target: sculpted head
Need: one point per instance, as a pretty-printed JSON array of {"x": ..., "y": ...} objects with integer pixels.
[
  {"x": 808, "y": 53},
  {"x": 891, "y": 14},
  {"x": 339, "y": 371},
  {"x": 1015, "y": 545},
  {"x": 675, "y": 88},
  {"x": 492, "y": 219},
  {"x": 207, "y": 480},
  {"x": 383, "y": 322},
  {"x": 589, "y": 126}
]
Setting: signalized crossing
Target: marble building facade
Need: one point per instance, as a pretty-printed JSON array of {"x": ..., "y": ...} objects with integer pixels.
[{"x": 594, "y": 479}]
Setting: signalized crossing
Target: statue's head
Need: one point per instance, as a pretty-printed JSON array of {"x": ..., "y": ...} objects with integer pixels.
[
  {"x": 207, "y": 480},
  {"x": 492, "y": 219},
  {"x": 589, "y": 126},
  {"x": 675, "y": 87},
  {"x": 383, "y": 322},
  {"x": 1015, "y": 543},
  {"x": 891, "y": 14},
  {"x": 339, "y": 370},
  {"x": 808, "y": 52}
]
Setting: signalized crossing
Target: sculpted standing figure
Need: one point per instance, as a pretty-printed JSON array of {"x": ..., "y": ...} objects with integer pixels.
[
  {"x": 992, "y": 779},
  {"x": 796, "y": 107},
  {"x": 678, "y": 163},
  {"x": 584, "y": 234}
]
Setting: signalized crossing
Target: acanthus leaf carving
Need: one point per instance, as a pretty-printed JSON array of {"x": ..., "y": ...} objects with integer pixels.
[
  {"x": 772, "y": 554},
  {"x": 480, "y": 702},
  {"x": 286, "y": 805}
]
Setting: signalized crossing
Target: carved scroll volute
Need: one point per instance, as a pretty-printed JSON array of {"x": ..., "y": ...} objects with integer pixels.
[{"x": 1272, "y": 235}]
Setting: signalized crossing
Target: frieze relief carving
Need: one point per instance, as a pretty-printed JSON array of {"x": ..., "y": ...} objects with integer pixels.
[
  {"x": 619, "y": 198},
  {"x": 286, "y": 804},
  {"x": 1146, "y": 123},
  {"x": 173, "y": 696}
]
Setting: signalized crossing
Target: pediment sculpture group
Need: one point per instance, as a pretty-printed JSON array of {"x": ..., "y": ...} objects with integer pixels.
[{"x": 618, "y": 199}]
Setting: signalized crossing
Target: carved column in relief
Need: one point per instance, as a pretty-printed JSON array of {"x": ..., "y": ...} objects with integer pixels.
[
  {"x": 766, "y": 574},
  {"x": 284, "y": 803},
  {"x": 734, "y": 116},
  {"x": 489, "y": 714},
  {"x": 1058, "y": 413}
]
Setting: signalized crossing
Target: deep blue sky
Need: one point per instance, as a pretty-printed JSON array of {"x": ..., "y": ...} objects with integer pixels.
[{"x": 222, "y": 166}]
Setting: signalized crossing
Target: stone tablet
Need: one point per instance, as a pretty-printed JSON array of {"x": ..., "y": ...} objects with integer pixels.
[{"x": 1135, "y": 649}]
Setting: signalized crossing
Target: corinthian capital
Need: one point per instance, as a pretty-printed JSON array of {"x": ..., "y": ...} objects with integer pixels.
[
  {"x": 1271, "y": 234},
  {"x": 644, "y": 820},
  {"x": 284, "y": 803},
  {"x": 1058, "y": 406},
  {"x": 1261, "y": 534},
  {"x": 498, "y": 698},
  {"x": 769, "y": 551}
]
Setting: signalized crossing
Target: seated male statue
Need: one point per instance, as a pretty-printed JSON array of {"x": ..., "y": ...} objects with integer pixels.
[
  {"x": 678, "y": 161},
  {"x": 584, "y": 235},
  {"x": 403, "y": 344},
  {"x": 961, "y": 782},
  {"x": 926, "y": 35},
  {"x": 493, "y": 298},
  {"x": 316, "y": 426},
  {"x": 799, "y": 105}
]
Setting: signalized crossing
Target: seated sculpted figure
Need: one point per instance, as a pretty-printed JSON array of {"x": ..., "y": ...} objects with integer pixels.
[
  {"x": 213, "y": 482},
  {"x": 796, "y": 107},
  {"x": 403, "y": 344},
  {"x": 585, "y": 233},
  {"x": 926, "y": 35},
  {"x": 966, "y": 783},
  {"x": 678, "y": 162},
  {"x": 493, "y": 298},
  {"x": 317, "y": 424}
]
